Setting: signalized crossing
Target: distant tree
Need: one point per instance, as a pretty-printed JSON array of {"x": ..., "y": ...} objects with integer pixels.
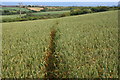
[
  {"x": 95, "y": 9},
  {"x": 104, "y": 8},
  {"x": 85, "y": 11},
  {"x": 65, "y": 14},
  {"x": 75, "y": 11},
  {"x": 29, "y": 5},
  {"x": 80, "y": 11},
  {"x": 6, "y": 11},
  {"x": 100, "y": 9}
]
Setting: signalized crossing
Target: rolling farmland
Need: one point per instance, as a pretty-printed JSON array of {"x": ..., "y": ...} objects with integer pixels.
[
  {"x": 50, "y": 12},
  {"x": 13, "y": 8},
  {"x": 11, "y": 16},
  {"x": 35, "y": 8},
  {"x": 36, "y": 13},
  {"x": 86, "y": 46}
]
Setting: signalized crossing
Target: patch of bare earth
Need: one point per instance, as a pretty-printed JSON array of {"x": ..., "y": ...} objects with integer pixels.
[{"x": 35, "y": 8}]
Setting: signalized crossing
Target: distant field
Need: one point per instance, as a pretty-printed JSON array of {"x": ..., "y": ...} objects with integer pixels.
[
  {"x": 88, "y": 45},
  {"x": 11, "y": 8},
  {"x": 10, "y": 16},
  {"x": 35, "y": 8},
  {"x": 37, "y": 13},
  {"x": 50, "y": 12}
]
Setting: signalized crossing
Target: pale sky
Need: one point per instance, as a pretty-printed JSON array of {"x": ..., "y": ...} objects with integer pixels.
[{"x": 59, "y": 0}]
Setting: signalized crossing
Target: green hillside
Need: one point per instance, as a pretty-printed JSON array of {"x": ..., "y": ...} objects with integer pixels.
[
  {"x": 86, "y": 46},
  {"x": 50, "y": 12},
  {"x": 11, "y": 16},
  {"x": 13, "y": 8},
  {"x": 35, "y": 13}
]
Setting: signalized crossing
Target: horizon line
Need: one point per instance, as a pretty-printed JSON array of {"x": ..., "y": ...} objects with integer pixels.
[{"x": 60, "y": 1}]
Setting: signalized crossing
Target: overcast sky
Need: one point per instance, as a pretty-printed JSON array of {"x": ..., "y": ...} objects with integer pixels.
[{"x": 59, "y": 0}]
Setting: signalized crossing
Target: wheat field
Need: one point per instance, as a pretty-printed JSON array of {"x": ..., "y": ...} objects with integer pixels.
[{"x": 86, "y": 45}]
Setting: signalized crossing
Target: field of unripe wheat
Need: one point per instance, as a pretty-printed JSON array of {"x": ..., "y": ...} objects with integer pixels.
[{"x": 86, "y": 46}]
